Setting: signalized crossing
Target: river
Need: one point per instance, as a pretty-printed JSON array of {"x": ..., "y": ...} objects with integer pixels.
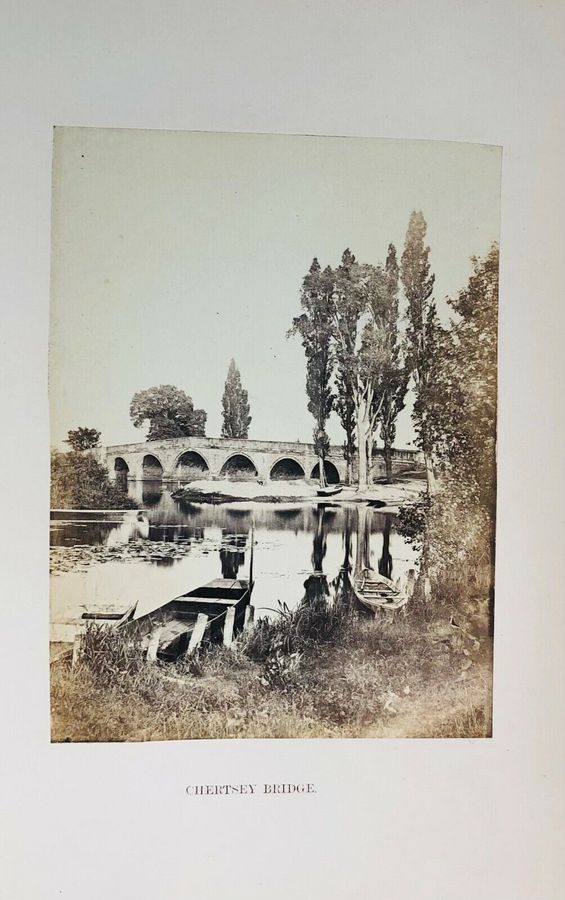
[{"x": 119, "y": 559}]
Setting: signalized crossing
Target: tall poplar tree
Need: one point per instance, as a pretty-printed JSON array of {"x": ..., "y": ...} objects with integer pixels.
[
  {"x": 421, "y": 334},
  {"x": 315, "y": 328},
  {"x": 348, "y": 304},
  {"x": 395, "y": 375},
  {"x": 235, "y": 406}
]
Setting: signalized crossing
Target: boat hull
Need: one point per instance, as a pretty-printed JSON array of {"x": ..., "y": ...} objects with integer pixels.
[{"x": 375, "y": 591}]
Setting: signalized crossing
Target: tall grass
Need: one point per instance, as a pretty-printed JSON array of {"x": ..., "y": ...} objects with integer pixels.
[{"x": 320, "y": 670}]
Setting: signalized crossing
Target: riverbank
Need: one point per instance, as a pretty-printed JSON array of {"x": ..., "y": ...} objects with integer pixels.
[
  {"x": 399, "y": 676},
  {"x": 389, "y": 497}
]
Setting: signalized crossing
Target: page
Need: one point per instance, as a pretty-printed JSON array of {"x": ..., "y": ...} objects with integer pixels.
[{"x": 284, "y": 639}]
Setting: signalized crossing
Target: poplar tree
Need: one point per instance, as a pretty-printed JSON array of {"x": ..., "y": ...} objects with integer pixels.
[
  {"x": 348, "y": 305},
  {"x": 235, "y": 406},
  {"x": 421, "y": 334},
  {"x": 395, "y": 375},
  {"x": 315, "y": 328}
]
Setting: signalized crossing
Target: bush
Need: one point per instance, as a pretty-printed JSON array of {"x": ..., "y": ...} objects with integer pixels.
[{"x": 79, "y": 481}]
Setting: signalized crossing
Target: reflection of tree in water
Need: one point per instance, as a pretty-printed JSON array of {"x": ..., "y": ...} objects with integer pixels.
[
  {"x": 175, "y": 533},
  {"x": 121, "y": 481},
  {"x": 320, "y": 542},
  {"x": 363, "y": 549},
  {"x": 232, "y": 552},
  {"x": 70, "y": 534},
  {"x": 287, "y": 513},
  {"x": 151, "y": 493},
  {"x": 341, "y": 583},
  {"x": 316, "y": 590},
  {"x": 242, "y": 515},
  {"x": 164, "y": 562},
  {"x": 190, "y": 510},
  {"x": 385, "y": 561}
]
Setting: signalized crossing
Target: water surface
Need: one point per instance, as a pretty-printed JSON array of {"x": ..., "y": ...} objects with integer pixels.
[{"x": 291, "y": 542}]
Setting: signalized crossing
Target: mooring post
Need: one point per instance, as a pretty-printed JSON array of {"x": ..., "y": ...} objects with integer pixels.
[
  {"x": 228, "y": 626},
  {"x": 248, "y": 617},
  {"x": 251, "y": 554},
  {"x": 197, "y": 632},
  {"x": 153, "y": 645},
  {"x": 77, "y": 645}
]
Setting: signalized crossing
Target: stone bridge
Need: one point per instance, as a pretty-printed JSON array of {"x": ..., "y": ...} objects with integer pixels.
[{"x": 187, "y": 459}]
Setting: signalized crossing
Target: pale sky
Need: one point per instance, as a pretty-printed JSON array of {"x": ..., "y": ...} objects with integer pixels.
[{"x": 173, "y": 252}]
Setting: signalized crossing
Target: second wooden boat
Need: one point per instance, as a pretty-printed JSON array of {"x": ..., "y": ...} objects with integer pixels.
[
  {"x": 329, "y": 491},
  {"x": 375, "y": 591}
]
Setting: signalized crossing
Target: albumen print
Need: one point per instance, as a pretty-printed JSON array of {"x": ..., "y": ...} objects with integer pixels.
[{"x": 273, "y": 373}]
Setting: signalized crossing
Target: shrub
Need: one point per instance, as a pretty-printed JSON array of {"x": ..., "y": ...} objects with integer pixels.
[{"x": 79, "y": 481}]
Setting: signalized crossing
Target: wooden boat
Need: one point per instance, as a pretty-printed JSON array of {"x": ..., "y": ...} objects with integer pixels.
[
  {"x": 329, "y": 491},
  {"x": 213, "y": 612},
  {"x": 375, "y": 591}
]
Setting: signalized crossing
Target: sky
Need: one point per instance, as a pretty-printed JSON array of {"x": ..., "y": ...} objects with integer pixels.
[{"x": 173, "y": 252}]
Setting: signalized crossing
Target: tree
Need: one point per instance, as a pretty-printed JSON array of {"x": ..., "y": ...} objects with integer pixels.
[
  {"x": 457, "y": 521},
  {"x": 394, "y": 376},
  {"x": 421, "y": 333},
  {"x": 315, "y": 328},
  {"x": 362, "y": 302},
  {"x": 170, "y": 413},
  {"x": 344, "y": 405},
  {"x": 235, "y": 408},
  {"x": 83, "y": 439},
  {"x": 348, "y": 303},
  {"x": 463, "y": 411}
]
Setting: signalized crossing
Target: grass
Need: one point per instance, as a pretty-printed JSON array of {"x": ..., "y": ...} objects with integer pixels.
[{"x": 322, "y": 670}]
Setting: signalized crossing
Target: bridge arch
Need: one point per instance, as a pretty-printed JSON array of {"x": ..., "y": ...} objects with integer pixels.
[
  {"x": 151, "y": 467},
  {"x": 121, "y": 472},
  {"x": 239, "y": 467},
  {"x": 191, "y": 465},
  {"x": 286, "y": 468},
  {"x": 330, "y": 469}
]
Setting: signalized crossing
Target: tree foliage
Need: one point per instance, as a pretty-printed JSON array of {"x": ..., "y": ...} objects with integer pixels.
[
  {"x": 350, "y": 323},
  {"x": 79, "y": 481},
  {"x": 457, "y": 522},
  {"x": 315, "y": 328},
  {"x": 348, "y": 305},
  {"x": 235, "y": 406},
  {"x": 373, "y": 377},
  {"x": 392, "y": 373},
  {"x": 462, "y": 410},
  {"x": 421, "y": 331},
  {"x": 169, "y": 411},
  {"x": 83, "y": 438}
]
